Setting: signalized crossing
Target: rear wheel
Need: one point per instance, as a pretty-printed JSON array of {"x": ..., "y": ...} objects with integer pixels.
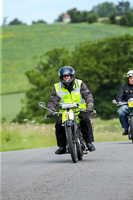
[{"x": 72, "y": 144}]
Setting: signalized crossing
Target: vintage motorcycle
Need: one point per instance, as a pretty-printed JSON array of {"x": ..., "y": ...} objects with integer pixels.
[
  {"x": 129, "y": 103},
  {"x": 75, "y": 143}
]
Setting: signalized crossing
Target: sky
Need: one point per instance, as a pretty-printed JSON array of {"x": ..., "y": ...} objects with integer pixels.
[{"x": 47, "y": 10}]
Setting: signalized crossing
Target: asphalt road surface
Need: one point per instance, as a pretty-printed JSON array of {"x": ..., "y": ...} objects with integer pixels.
[{"x": 39, "y": 174}]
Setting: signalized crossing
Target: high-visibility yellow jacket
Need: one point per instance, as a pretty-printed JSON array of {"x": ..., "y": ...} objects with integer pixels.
[{"x": 73, "y": 97}]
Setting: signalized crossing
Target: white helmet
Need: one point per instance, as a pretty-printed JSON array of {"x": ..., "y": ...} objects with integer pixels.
[{"x": 130, "y": 73}]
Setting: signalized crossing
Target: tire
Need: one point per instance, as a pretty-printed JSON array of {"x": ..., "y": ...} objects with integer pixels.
[
  {"x": 131, "y": 127},
  {"x": 79, "y": 146},
  {"x": 79, "y": 149},
  {"x": 72, "y": 144}
]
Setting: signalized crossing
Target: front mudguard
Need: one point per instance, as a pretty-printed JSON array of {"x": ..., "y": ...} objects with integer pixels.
[{"x": 68, "y": 123}]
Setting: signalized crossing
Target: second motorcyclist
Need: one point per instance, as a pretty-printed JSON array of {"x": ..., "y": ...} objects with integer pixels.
[{"x": 124, "y": 94}]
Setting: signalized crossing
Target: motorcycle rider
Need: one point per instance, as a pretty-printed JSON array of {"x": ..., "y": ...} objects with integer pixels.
[
  {"x": 71, "y": 90},
  {"x": 124, "y": 94}
]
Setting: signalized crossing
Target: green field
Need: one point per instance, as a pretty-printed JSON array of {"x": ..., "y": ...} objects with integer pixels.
[
  {"x": 11, "y": 105},
  {"x": 22, "y": 44}
]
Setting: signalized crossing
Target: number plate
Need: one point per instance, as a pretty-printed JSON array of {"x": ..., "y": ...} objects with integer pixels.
[
  {"x": 67, "y": 115},
  {"x": 130, "y": 104}
]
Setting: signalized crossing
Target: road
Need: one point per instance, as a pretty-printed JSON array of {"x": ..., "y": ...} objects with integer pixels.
[{"x": 39, "y": 174}]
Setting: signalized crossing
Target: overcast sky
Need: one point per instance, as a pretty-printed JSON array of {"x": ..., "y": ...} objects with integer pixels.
[{"x": 47, "y": 10}]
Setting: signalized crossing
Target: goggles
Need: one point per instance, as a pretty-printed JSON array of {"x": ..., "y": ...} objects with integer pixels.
[{"x": 130, "y": 75}]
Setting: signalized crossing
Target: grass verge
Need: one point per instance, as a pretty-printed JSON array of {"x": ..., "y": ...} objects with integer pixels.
[{"x": 28, "y": 136}]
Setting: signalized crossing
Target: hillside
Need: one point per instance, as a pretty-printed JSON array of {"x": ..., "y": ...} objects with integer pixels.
[{"x": 21, "y": 43}]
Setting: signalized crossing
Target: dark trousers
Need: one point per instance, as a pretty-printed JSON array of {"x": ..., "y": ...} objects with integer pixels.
[{"x": 85, "y": 126}]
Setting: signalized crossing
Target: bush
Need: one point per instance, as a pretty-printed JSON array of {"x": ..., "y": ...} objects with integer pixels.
[
  {"x": 127, "y": 19},
  {"x": 39, "y": 22},
  {"x": 16, "y": 22},
  {"x": 105, "y": 21},
  {"x": 113, "y": 18},
  {"x": 92, "y": 17}
]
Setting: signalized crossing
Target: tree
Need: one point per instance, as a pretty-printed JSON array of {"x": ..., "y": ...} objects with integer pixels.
[
  {"x": 123, "y": 7},
  {"x": 127, "y": 19},
  {"x": 84, "y": 15},
  {"x": 59, "y": 18},
  {"x": 112, "y": 18},
  {"x": 4, "y": 21},
  {"x": 101, "y": 65},
  {"x": 16, "y": 22},
  {"x": 39, "y": 22},
  {"x": 104, "y": 67},
  {"x": 104, "y": 9},
  {"x": 92, "y": 17},
  {"x": 75, "y": 15}
]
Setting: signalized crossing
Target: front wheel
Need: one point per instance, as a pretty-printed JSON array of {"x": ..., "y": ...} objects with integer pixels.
[
  {"x": 80, "y": 151},
  {"x": 72, "y": 144},
  {"x": 131, "y": 128},
  {"x": 79, "y": 145}
]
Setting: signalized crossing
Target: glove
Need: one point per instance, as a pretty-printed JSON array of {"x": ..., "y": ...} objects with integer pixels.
[
  {"x": 50, "y": 114},
  {"x": 89, "y": 107}
]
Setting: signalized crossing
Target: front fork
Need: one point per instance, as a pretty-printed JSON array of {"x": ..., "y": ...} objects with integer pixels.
[{"x": 72, "y": 125}]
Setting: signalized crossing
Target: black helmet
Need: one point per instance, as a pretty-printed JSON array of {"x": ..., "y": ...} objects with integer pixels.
[{"x": 65, "y": 71}]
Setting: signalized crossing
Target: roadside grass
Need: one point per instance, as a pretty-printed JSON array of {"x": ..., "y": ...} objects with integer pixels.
[
  {"x": 27, "y": 136},
  {"x": 108, "y": 130}
]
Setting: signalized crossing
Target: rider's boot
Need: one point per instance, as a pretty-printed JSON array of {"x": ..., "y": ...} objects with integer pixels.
[
  {"x": 125, "y": 131},
  {"x": 90, "y": 147},
  {"x": 60, "y": 150}
]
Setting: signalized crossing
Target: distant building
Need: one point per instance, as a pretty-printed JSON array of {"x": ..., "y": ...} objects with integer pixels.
[{"x": 66, "y": 18}]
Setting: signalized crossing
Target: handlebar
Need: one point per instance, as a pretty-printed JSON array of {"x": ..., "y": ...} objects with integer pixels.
[
  {"x": 65, "y": 107},
  {"x": 119, "y": 103},
  {"x": 73, "y": 106},
  {"x": 84, "y": 110},
  {"x": 42, "y": 105}
]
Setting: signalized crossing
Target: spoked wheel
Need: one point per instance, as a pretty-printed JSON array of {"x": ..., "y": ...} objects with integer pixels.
[
  {"x": 79, "y": 145},
  {"x": 131, "y": 129},
  {"x": 79, "y": 149},
  {"x": 72, "y": 144}
]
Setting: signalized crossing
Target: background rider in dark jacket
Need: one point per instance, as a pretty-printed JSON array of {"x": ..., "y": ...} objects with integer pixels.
[{"x": 124, "y": 94}]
